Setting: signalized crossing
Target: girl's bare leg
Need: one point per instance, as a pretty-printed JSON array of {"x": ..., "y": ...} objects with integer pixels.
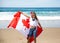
[
  {"x": 34, "y": 40},
  {"x": 28, "y": 40}
]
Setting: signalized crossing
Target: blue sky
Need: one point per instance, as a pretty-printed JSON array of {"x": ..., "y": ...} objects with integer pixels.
[{"x": 29, "y": 3}]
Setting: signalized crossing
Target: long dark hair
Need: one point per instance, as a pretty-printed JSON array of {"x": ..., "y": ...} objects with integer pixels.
[{"x": 35, "y": 15}]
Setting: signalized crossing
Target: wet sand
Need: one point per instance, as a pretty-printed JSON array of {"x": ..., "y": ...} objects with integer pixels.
[{"x": 49, "y": 35}]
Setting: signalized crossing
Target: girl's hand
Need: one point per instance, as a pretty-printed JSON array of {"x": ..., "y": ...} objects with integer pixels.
[
  {"x": 40, "y": 27},
  {"x": 21, "y": 12}
]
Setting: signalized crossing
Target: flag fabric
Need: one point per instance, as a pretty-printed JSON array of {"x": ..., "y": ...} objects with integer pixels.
[{"x": 21, "y": 23}]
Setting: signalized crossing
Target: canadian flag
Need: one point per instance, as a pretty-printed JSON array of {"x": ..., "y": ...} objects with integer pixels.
[{"x": 21, "y": 23}]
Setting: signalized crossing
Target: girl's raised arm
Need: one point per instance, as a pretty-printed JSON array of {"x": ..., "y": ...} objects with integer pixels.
[{"x": 25, "y": 15}]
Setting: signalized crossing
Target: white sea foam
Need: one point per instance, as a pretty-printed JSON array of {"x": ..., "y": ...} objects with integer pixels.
[{"x": 10, "y": 15}]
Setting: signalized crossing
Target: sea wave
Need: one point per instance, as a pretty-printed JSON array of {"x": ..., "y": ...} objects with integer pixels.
[{"x": 54, "y": 11}]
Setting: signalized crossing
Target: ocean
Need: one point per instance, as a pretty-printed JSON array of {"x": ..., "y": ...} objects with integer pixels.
[{"x": 44, "y": 11}]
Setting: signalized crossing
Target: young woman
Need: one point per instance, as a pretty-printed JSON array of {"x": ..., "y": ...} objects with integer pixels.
[{"x": 33, "y": 25}]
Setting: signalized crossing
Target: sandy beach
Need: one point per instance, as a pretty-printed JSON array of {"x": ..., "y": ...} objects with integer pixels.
[{"x": 49, "y": 35}]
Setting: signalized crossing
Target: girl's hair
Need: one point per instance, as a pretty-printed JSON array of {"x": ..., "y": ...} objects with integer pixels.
[{"x": 35, "y": 15}]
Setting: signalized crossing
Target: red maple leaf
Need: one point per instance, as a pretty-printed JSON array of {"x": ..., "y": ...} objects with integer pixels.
[{"x": 26, "y": 22}]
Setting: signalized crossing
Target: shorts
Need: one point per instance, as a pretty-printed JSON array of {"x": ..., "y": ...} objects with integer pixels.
[{"x": 32, "y": 32}]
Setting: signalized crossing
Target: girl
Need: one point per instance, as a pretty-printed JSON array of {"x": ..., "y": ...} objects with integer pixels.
[{"x": 33, "y": 24}]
